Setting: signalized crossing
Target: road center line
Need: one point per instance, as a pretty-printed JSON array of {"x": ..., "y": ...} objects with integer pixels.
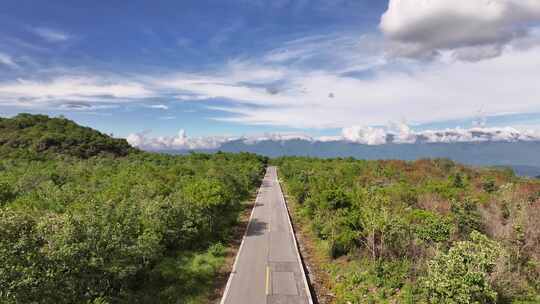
[{"x": 267, "y": 280}]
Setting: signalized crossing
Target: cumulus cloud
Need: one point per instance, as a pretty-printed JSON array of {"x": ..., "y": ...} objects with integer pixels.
[
  {"x": 393, "y": 134},
  {"x": 182, "y": 141},
  {"x": 365, "y": 135},
  {"x": 402, "y": 134},
  {"x": 474, "y": 29},
  {"x": 179, "y": 142}
]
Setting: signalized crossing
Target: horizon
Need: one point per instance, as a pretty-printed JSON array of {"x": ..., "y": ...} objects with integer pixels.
[{"x": 353, "y": 70}]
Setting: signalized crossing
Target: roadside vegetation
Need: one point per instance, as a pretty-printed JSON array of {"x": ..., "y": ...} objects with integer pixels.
[
  {"x": 428, "y": 231},
  {"x": 85, "y": 218}
]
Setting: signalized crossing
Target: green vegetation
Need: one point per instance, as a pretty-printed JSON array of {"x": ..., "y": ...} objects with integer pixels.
[
  {"x": 86, "y": 219},
  {"x": 428, "y": 231},
  {"x": 36, "y": 136}
]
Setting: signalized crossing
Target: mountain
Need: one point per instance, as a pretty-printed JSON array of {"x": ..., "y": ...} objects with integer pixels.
[
  {"x": 40, "y": 135},
  {"x": 522, "y": 156},
  {"x": 530, "y": 171}
]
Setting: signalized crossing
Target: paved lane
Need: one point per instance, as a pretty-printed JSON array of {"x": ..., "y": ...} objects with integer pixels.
[{"x": 267, "y": 268}]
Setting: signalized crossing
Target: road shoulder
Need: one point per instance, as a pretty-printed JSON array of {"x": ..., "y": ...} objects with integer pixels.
[{"x": 312, "y": 256}]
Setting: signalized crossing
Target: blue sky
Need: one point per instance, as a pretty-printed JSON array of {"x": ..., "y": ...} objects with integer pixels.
[{"x": 239, "y": 67}]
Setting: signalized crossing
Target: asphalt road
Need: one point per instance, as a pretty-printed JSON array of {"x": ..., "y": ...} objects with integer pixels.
[{"x": 267, "y": 268}]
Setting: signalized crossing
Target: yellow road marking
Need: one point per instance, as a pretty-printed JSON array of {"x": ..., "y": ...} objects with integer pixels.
[{"x": 267, "y": 280}]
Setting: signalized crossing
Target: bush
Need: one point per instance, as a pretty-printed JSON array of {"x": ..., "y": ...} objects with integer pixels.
[
  {"x": 431, "y": 227},
  {"x": 466, "y": 216},
  {"x": 489, "y": 185},
  {"x": 335, "y": 199},
  {"x": 462, "y": 275},
  {"x": 6, "y": 193}
]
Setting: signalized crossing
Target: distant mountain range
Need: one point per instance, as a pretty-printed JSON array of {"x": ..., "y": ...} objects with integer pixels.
[{"x": 522, "y": 156}]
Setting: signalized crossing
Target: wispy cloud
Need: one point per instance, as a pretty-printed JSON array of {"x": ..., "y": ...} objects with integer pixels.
[
  {"x": 158, "y": 106},
  {"x": 7, "y": 60},
  {"x": 77, "y": 90},
  {"x": 325, "y": 81},
  {"x": 51, "y": 35},
  {"x": 223, "y": 35},
  {"x": 167, "y": 117},
  {"x": 324, "y": 96},
  {"x": 335, "y": 93}
]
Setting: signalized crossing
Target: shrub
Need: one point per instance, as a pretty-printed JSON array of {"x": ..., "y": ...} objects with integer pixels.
[
  {"x": 466, "y": 216},
  {"x": 335, "y": 199},
  {"x": 431, "y": 227},
  {"x": 462, "y": 275},
  {"x": 489, "y": 185},
  {"x": 6, "y": 193}
]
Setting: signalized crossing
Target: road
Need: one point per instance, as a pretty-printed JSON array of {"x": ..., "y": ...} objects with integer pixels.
[{"x": 267, "y": 268}]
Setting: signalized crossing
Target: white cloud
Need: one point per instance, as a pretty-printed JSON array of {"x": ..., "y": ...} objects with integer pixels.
[
  {"x": 51, "y": 35},
  {"x": 433, "y": 92},
  {"x": 88, "y": 89},
  {"x": 183, "y": 142},
  {"x": 424, "y": 28},
  {"x": 179, "y": 142},
  {"x": 158, "y": 106},
  {"x": 365, "y": 135},
  {"x": 358, "y": 86},
  {"x": 187, "y": 97},
  {"x": 394, "y": 134},
  {"x": 402, "y": 134},
  {"x": 7, "y": 60},
  {"x": 275, "y": 137}
]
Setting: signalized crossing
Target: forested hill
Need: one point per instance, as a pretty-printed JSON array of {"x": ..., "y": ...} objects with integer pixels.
[
  {"x": 85, "y": 218},
  {"x": 30, "y": 135}
]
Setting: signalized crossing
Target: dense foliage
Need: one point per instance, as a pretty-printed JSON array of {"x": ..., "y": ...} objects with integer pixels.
[
  {"x": 428, "y": 231},
  {"x": 144, "y": 228},
  {"x": 27, "y": 135}
]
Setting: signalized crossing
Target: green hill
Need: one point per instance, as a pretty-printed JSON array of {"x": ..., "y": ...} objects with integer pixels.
[
  {"x": 85, "y": 218},
  {"x": 39, "y": 135}
]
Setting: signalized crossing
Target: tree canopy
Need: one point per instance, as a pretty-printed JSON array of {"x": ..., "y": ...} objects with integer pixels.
[
  {"x": 85, "y": 218},
  {"x": 37, "y": 135}
]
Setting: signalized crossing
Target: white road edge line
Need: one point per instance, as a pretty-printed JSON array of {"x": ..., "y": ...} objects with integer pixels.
[
  {"x": 306, "y": 286},
  {"x": 233, "y": 270}
]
